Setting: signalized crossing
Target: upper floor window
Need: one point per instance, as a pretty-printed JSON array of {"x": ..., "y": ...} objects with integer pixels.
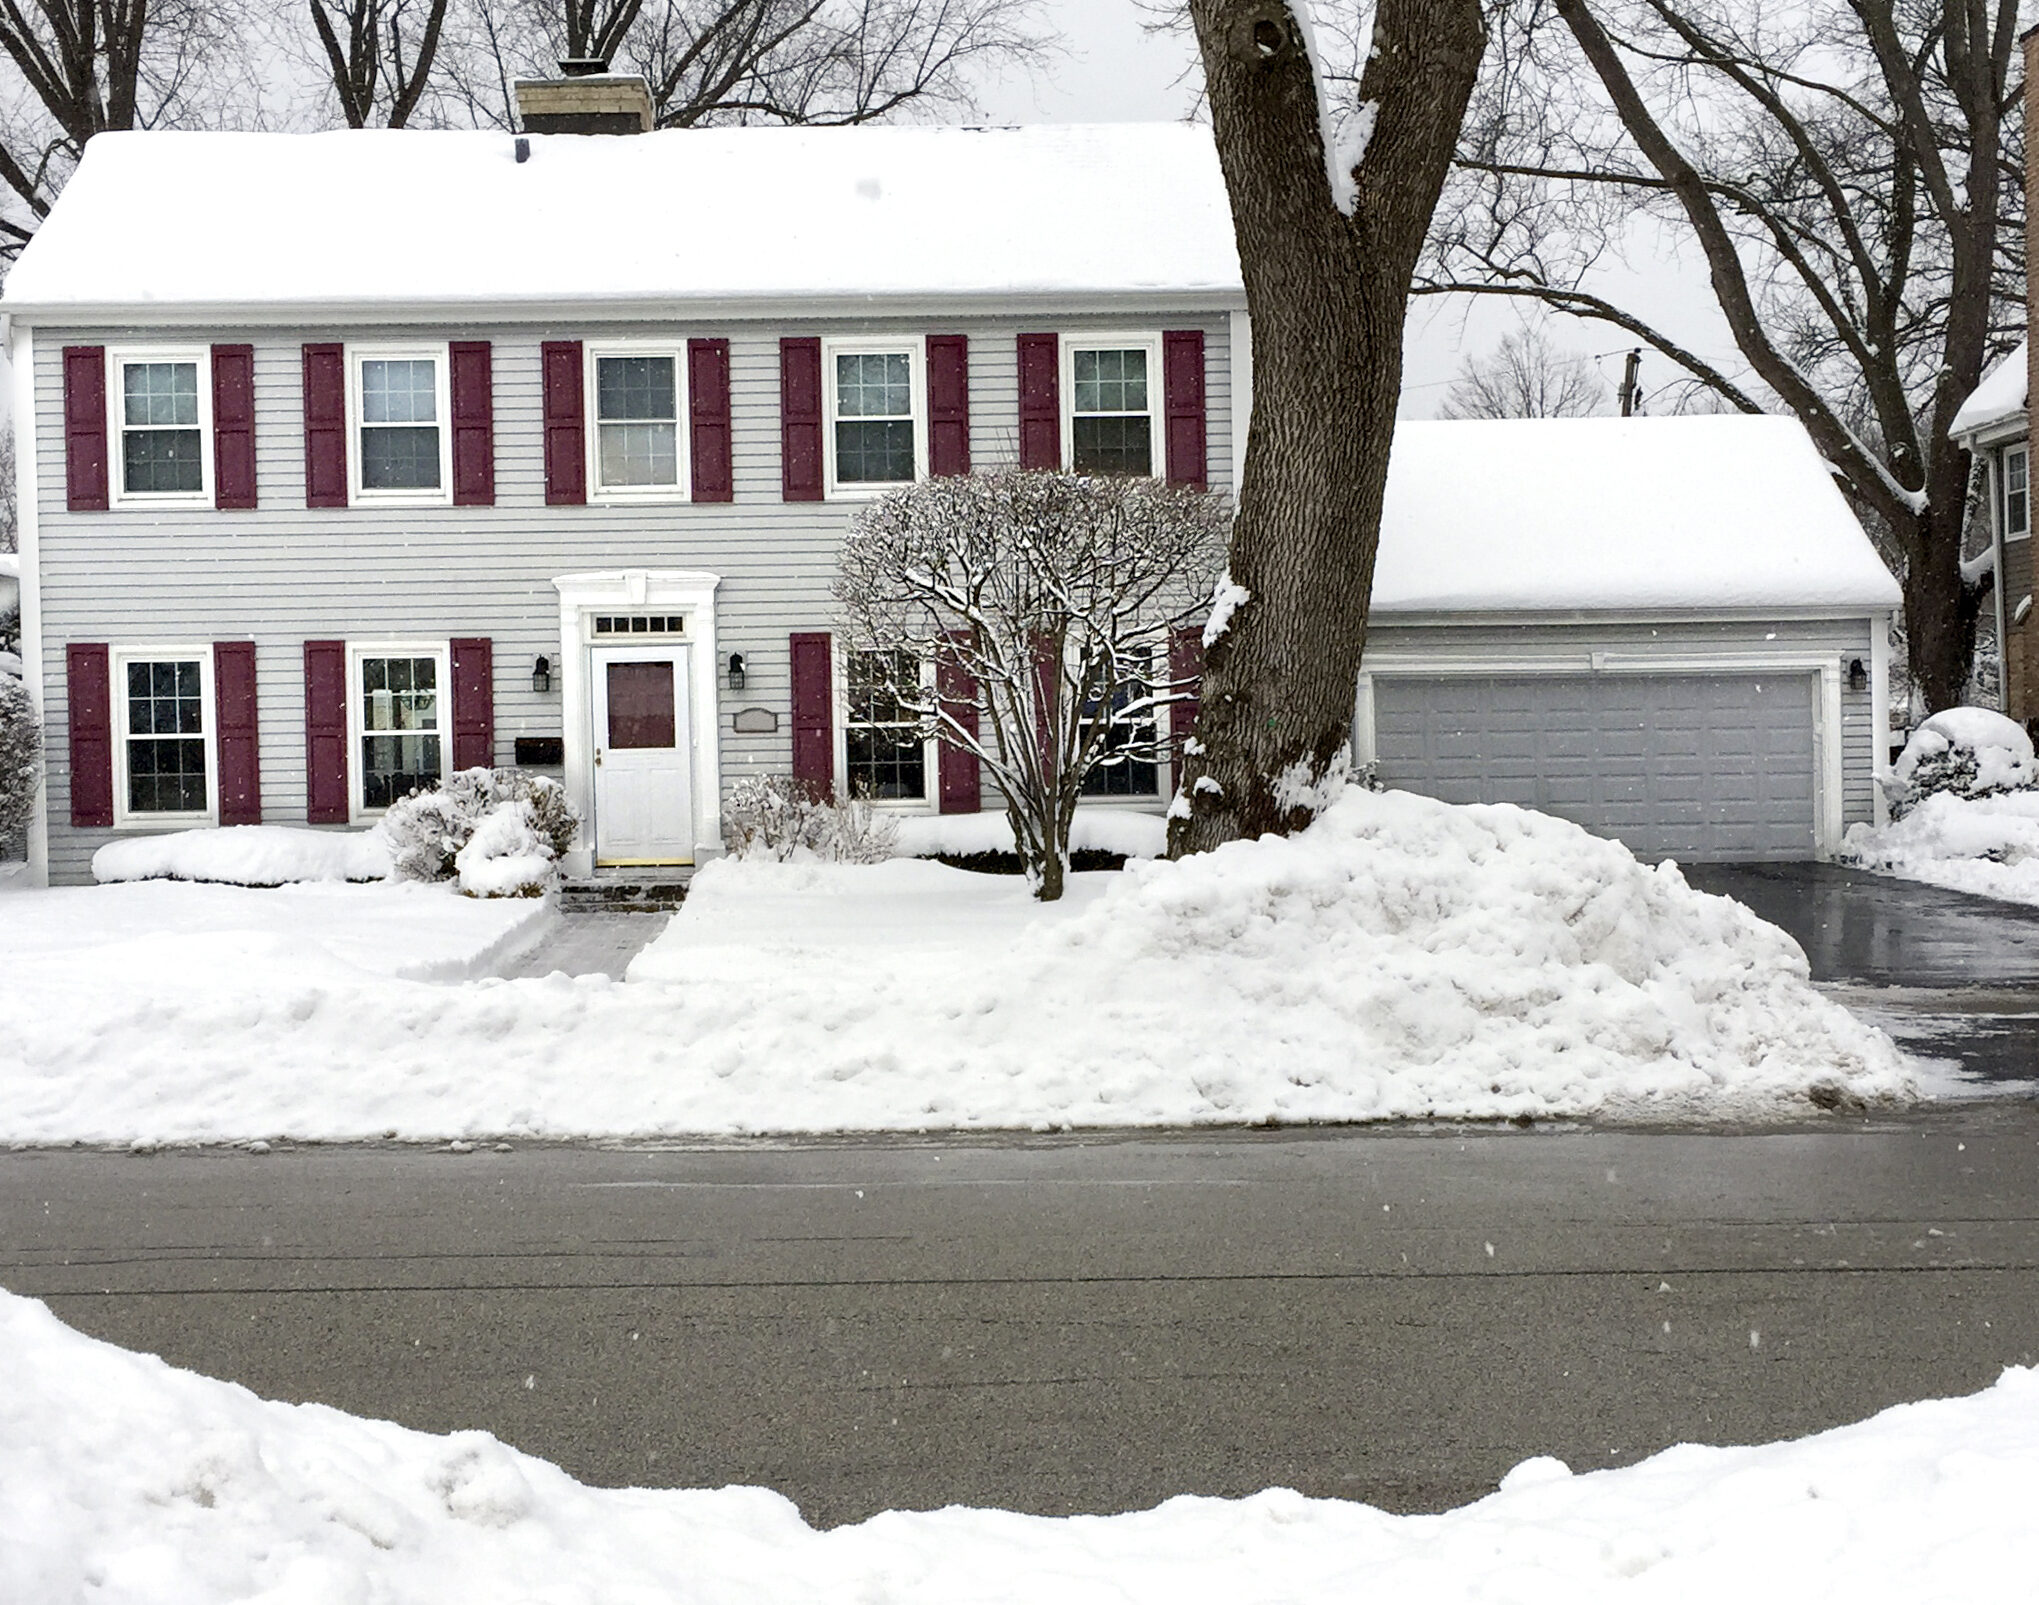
[
  {"x": 1111, "y": 384},
  {"x": 163, "y": 735},
  {"x": 164, "y": 416},
  {"x": 884, "y": 756},
  {"x": 403, "y": 445},
  {"x": 877, "y": 425},
  {"x": 637, "y": 405},
  {"x": 2017, "y": 492}
]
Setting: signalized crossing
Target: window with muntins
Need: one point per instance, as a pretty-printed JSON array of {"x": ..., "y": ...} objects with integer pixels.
[
  {"x": 165, "y": 736},
  {"x": 884, "y": 754},
  {"x": 2017, "y": 492},
  {"x": 400, "y": 424},
  {"x": 1118, "y": 772},
  {"x": 401, "y": 736},
  {"x": 1111, "y": 424},
  {"x": 162, "y": 429},
  {"x": 873, "y": 392},
  {"x": 637, "y": 422}
]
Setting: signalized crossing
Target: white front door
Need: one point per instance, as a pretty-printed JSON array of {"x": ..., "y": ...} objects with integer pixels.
[{"x": 644, "y": 771}]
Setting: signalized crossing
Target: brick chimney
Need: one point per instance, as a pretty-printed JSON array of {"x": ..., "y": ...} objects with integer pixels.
[{"x": 586, "y": 98}]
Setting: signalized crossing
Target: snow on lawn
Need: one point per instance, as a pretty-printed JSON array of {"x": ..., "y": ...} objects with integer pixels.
[
  {"x": 122, "y": 1478},
  {"x": 1985, "y": 845},
  {"x": 1402, "y": 958}
]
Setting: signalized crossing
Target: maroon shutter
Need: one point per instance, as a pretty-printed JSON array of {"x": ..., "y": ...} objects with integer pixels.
[
  {"x": 709, "y": 458},
  {"x": 1040, "y": 382},
  {"x": 800, "y": 419},
  {"x": 813, "y": 711},
  {"x": 325, "y": 732},
  {"x": 948, "y": 404},
  {"x": 91, "y": 698},
  {"x": 960, "y": 790},
  {"x": 566, "y": 449},
  {"x": 85, "y": 431},
  {"x": 233, "y": 695},
  {"x": 1185, "y": 662},
  {"x": 1182, "y": 391},
  {"x": 325, "y": 426},
  {"x": 233, "y": 426},
  {"x": 474, "y": 703},
  {"x": 474, "y": 423}
]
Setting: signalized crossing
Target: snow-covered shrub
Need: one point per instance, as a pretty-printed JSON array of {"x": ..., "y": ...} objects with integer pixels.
[
  {"x": 507, "y": 855},
  {"x": 427, "y": 830},
  {"x": 1969, "y": 752},
  {"x": 783, "y": 820},
  {"x": 20, "y": 756}
]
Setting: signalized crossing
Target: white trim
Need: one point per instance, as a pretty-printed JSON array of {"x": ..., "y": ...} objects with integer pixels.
[
  {"x": 1879, "y": 716},
  {"x": 688, "y": 591},
  {"x": 441, "y": 652},
  {"x": 1147, "y": 340},
  {"x": 627, "y": 495},
  {"x": 930, "y": 799},
  {"x": 21, "y": 353},
  {"x": 117, "y": 358},
  {"x": 437, "y": 353},
  {"x": 1241, "y": 328},
  {"x": 915, "y": 347},
  {"x": 119, "y": 658}
]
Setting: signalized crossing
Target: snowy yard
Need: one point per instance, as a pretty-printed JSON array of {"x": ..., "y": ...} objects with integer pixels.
[
  {"x": 124, "y": 1478},
  {"x": 1402, "y": 959}
]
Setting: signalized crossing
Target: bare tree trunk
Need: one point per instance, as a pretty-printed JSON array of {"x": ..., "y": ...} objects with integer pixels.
[{"x": 1327, "y": 292}]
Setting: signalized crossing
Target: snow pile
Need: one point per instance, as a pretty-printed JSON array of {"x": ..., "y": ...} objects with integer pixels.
[
  {"x": 1971, "y": 752},
  {"x": 1985, "y": 845},
  {"x": 505, "y": 856},
  {"x": 123, "y": 1478},
  {"x": 246, "y": 855},
  {"x": 1093, "y": 830}
]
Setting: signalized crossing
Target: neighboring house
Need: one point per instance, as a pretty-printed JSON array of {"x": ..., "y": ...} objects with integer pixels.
[
  {"x": 1995, "y": 426},
  {"x": 349, "y": 459}
]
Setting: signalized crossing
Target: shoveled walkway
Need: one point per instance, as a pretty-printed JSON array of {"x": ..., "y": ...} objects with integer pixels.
[{"x": 587, "y": 944}]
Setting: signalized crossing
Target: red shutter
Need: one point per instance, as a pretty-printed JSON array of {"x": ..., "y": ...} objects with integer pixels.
[
  {"x": 813, "y": 711},
  {"x": 236, "y": 734},
  {"x": 325, "y": 426},
  {"x": 961, "y": 792},
  {"x": 566, "y": 449},
  {"x": 91, "y": 698},
  {"x": 800, "y": 420},
  {"x": 948, "y": 404},
  {"x": 1040, "y": 385},
  {"x": 1185, "y": 662},
  {"x": 325, "y": 732},
  {"x": 474, "y": 703},
  {"x": 85, "y": 433},
  {"x": 474, "y": 423},
  {"x": 233, "y": 426},
  {"x": 1182, "y": 391},
  {"x": 709, "y": 457}
]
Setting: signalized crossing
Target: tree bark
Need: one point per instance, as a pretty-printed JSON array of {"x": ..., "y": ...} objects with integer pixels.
[{"x": 1327, "y": 294}]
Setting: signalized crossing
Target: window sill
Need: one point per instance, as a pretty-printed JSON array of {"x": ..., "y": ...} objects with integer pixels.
[
  {"x": 660, "y": 496},
  {"x": 137, "y": 501},
  {"x": 399, "y": 498},
  {"x": 870, "y": 493},
  {"x": 162, "y": 824}
]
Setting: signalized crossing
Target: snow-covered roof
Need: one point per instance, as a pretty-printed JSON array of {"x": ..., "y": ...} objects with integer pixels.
[
  {"x": 362, "y": 219},
  {"x": 1559, "y": 515},
  {"x": 1998, "y": 399}
]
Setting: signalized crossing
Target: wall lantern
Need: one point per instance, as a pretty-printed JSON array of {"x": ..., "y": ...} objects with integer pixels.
[
  {"x": 736, "y": 677},
  {"x": 541, "y": 675},
  {"x": 1858, "y": 677}
]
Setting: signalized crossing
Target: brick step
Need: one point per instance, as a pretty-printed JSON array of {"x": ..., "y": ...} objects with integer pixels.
[{"x": 624, "y": 892}]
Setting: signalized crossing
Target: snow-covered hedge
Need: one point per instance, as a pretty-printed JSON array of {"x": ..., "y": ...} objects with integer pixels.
[
  {"x": 777, "y": 819},
  {"x": 1969, "y": 752},
  {"x": 246, "y": 855},
  {"x": 501, "y": 831},
  {"x": 20, "y": 756}
]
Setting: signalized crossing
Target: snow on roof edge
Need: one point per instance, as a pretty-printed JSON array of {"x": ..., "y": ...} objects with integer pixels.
[{"x": 1998, "y": 398}]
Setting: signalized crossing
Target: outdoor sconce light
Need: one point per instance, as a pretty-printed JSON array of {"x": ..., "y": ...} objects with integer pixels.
[
  {"x": 736, "y": 679},
  {"x": 1858, "y": 677},
  {"x": 541, "y": 675}
]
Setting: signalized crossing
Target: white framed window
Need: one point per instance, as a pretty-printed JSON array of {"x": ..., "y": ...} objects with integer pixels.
[
  {"x": 163, "y": 751},
  {"x": 399, "y": 720},
  {"x": 874, "y": 399},
  {"x": 399, "y": 411},
  {"x": 162, "y": 420},
  {"x": 1111, "y": 404},
  {"x": 637, "y": 403},
  {"x": 1117, "y": 774},
  {"x": 2017, "y": 493},
  {"x": 883, "y": 758}
]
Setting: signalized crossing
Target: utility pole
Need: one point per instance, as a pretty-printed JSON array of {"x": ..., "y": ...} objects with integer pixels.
[{"x": 1629, "y": 392}]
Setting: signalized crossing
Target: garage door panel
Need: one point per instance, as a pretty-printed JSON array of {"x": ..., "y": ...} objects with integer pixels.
[{"x": 1687, "y": 766}]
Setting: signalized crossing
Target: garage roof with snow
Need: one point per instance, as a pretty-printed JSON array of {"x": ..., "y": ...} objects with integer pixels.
[
  {"x": 1540, "y": 515},
  {"x": 361, "y": 219}
]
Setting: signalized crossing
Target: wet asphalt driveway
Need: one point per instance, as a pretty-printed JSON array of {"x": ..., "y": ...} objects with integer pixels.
[{"x": 1951, "y": 976}]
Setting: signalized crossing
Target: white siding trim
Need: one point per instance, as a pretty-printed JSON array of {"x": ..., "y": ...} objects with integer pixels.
[
  {"x": 1879, "y": 710},
  {"x": 21, "y": 352},
  {"x": 1241, "y": 329}
]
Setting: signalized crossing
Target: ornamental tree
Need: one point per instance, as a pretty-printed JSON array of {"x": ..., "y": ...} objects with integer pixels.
[{"x": 1036, "y": 621}]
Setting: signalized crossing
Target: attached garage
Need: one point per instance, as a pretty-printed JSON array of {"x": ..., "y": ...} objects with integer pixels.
[{"x": 1704, "y": 682}]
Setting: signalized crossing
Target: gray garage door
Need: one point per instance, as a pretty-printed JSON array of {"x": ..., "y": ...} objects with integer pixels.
[{"x": 1682, "y": 766}]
